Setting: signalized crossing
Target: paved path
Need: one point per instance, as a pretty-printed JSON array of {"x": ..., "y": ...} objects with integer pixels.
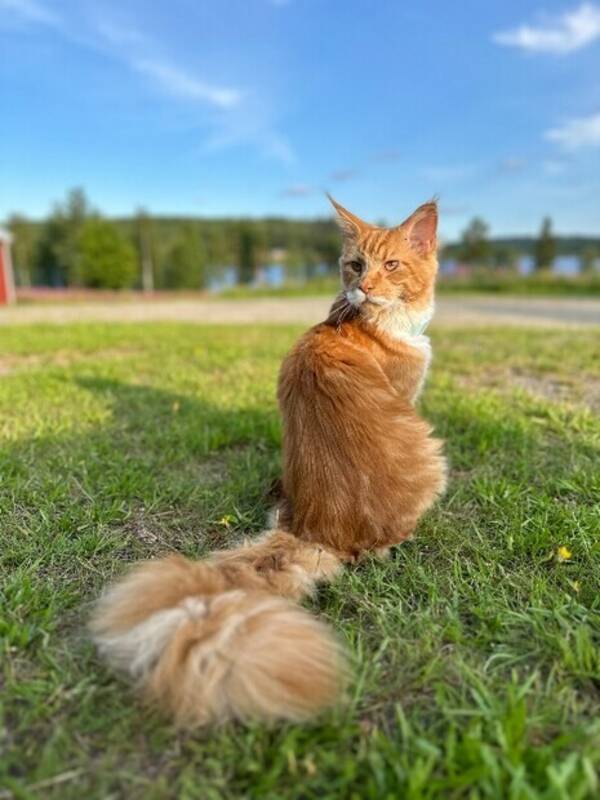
[{"x": 479, "y": 310}]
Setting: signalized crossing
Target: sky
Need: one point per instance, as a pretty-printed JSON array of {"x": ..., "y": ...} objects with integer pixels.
[{"x": 257, "y": 107}]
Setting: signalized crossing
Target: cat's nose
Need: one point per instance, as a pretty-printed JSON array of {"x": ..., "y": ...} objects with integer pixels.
[{"x": 366, "y": 286}]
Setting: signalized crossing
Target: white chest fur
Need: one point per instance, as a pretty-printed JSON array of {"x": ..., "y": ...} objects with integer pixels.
[
  {"x": 423, "y": 345},
  {"x": 400, "y": 323},
  {"x": 407, "y": 328}
]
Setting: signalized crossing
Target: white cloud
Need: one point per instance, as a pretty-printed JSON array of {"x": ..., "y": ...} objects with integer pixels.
[
  {"x": 562, "y": 34},
  {"x": 119, "y": 34},
  {"x": 182, "y": 84},
  {"x": 121, "y": 42},
  {"x": 28, "y": 11},
  {"x": 236, "y": 118},
  {"x": 249, "y": 124},
  {"x": 577, "y": 133},
  {"x": 239, "y": 118}
]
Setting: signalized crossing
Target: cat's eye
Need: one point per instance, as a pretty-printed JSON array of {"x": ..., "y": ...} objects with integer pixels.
[
  {"x": 355, "y": 265},
  {"x": 390, "y": 266}
]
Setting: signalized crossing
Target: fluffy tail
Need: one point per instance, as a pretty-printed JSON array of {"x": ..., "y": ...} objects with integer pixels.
[{"x": 216, "y": 639}]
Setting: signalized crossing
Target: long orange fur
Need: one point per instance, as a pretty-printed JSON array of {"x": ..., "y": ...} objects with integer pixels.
[{"x": 222, "y": 638}]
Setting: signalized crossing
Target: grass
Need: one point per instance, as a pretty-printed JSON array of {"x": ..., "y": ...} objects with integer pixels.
[
  {"x": 475, "y": 648},
  {"x": 483, "y": 281}
]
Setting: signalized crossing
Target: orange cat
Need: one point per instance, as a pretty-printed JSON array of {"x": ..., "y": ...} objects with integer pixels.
[{"x": 219, "y": 638}]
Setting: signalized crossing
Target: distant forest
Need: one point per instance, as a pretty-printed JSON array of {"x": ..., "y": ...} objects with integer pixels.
[{"x": 76, "y": 246}]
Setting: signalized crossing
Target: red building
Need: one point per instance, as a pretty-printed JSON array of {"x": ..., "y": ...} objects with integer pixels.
[{"x": 7, "y": 283}]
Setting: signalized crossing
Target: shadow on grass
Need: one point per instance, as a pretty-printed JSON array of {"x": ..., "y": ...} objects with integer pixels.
[
  {"x": 165, "y": 470},
  {"x": 171, "y": 470}
]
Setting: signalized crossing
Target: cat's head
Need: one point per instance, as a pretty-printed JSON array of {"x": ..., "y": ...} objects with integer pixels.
[{"x": 385, "y": 270}]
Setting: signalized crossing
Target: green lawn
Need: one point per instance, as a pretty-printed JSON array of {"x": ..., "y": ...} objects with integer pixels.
[
  {"x": 483, "y": 281},
  {"x": 475, "y": 648}
]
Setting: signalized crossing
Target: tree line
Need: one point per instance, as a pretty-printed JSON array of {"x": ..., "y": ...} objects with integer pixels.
[
  {"x": 76, "y": 246},
  {"x": 476, "y": 248}
]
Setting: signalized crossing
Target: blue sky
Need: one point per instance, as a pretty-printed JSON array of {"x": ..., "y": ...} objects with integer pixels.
[{"x": 254, "y": 107}]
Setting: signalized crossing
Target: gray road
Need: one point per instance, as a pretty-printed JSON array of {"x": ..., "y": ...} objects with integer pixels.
[{"x": 450, "y": 311}]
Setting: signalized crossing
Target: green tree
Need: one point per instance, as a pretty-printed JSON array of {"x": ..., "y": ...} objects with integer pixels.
[
  {"x": 186, "y": 261},
  {"x": 475, "y": 246},
  {"x": 220, "y": 244},
  {"x": 248, "y": 251},
  {"x": 58, "y": 252},
  {"x": 24, "y": 247},
  {"x": 75, "y": 212},
  {"x": 294, "y": 264},
  {"x": 590, "y": 258},
  {"x": 106, "y": 260},
  {"x": 310, "y": 259},
  {"x": 545, "y": 246},
  {"x": 144, "y": 239},
  {"x": 51, "y": 268},
  {"x": 330, "y": 250},
  {"x": 504, "y": 256}
]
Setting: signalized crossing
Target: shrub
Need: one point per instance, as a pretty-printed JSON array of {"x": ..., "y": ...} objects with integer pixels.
[{"x": 106, "y": 259}]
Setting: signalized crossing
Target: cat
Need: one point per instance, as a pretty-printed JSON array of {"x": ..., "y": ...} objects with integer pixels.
[{"x": 222, "y": 638}]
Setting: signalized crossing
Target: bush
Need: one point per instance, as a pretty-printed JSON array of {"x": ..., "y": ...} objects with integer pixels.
[{"x": 106, "y": 259}]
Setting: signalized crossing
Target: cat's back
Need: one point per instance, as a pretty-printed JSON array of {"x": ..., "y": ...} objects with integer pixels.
[
  {"x": 345, "y": 431},
  {"x": 328, "y": 359}
]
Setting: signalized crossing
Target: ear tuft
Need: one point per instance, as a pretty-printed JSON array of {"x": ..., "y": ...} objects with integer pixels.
[
  {"x": 349, "y": 223},
  {"x": 421, "y": 228}
]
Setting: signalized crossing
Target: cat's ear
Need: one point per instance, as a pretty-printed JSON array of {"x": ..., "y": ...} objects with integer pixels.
[
  {"x": 421, "y": 228},
  {"x": 350, "y": 224}
]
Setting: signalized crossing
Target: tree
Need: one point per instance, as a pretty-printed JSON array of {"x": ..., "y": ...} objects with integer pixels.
[
  {"x": 504, "y": 256},
  {"x": 23, "y": 249},
  {"x": 310, "y": 259},
  {"x": 220, "y": 243},
  {"x": 75, "y": 212},
  {"x": 330, "y": 250},
  {"x": 58, "y": 253},
  {"x": 545, "y": 247},
  {"x": 294, "y": 263},
  {"x": 248, "y": 251},
  {"x": 144, "y": 241},
  {"x": 475, "y": 247},
  {"x": 590, "y": 258},
  {"x": 105, "y": 259},
  {"x": 186, "y": 261},
  {"x": 51, "y": 251}
]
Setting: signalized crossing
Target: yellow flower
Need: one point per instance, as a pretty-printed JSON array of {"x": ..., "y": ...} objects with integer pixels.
[
  {"x": 226, "y": 520},
  {"x": 563, "y": 553}
]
